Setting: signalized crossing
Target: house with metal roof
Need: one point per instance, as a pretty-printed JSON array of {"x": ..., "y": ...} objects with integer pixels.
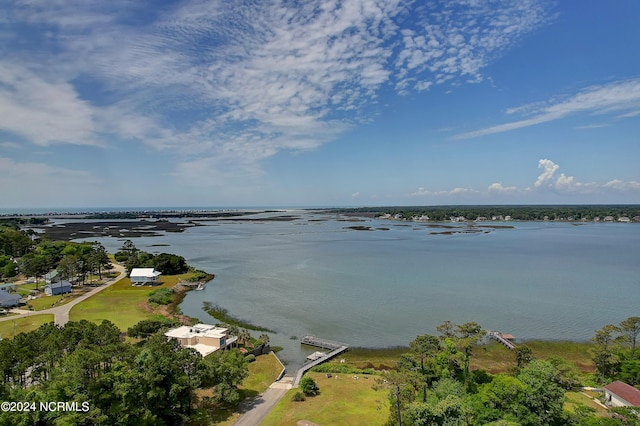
[
  {"x": 62, "y": 287},
  {"x": 9, "y": 300},
  {"x": 144, "y": 276},
  {"x": 620, "y": 394}
]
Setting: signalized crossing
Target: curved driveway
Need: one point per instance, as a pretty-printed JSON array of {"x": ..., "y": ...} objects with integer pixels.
[{"x": 61, "y": 313}]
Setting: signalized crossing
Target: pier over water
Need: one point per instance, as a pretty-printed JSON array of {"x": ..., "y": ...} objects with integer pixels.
[
  {"x": 505, "y": 339},
  {"x": 334, "y": 347}
]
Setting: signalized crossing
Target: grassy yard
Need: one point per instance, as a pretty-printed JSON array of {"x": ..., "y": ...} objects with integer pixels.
[
  {"x": 495, "y": 358},
  {"x": 23, "y": 325},
  {"x": 492, "y": 357},
  {"x": 262, "y": 372},
  {"x": 341, "y": 401},
  {"x": 575, "y": 399},
  {"x": 46, "y": 302},
  {"x": 380, "y": 359},
  {"x": 121, "y": 303}
]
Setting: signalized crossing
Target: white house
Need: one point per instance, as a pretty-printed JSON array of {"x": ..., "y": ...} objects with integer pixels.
[
  {"x": 142, "y": 276},
  {"x": 204, "y": 338},
  {"x": 620, "y": 394}
]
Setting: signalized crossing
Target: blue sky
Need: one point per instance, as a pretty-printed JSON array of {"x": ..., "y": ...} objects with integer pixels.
[{"x": 327, "y": 103}]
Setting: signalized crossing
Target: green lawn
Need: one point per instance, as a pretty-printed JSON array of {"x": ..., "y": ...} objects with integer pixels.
[
  {"x": 380, "y": 359},
  {"x": 262, "y": 373},
  {"x": 341, "y": 401},
  {"x": 577, "y": 398},
  {"x": 23, "y": 325},
  {"x": 46, "y": 302},
  {"x": 121, "y": 303},
  {"x": 495, "y": 358}
]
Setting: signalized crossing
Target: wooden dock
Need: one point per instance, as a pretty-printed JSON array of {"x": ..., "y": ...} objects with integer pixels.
[
  {"x": 321, "y": 343},
  {"x": 496, "y": 335},
  {"x": 335, "y": 348}
]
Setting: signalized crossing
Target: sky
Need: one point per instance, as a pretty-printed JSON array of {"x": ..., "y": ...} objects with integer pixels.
[{"x": 318, "y": 103}]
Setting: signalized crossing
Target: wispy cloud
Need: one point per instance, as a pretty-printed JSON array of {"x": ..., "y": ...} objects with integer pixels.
[
  {"x": 43, "y": 111},
  {"x": 592, "y": 126},
  {"x": 236, "y": 82},
  {"x": 612, "y": 97},
  {"x": 460, "y": 38}
]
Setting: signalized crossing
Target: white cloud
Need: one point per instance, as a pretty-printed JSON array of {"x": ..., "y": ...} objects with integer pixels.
[
  {"x": 630, "y": 114},
  {"x": 548, "y": 182},
  {"x": 547, "y": 175},
  {"x": 43, "y": 111},
  {"x": 213, "y": 81},
  {"x": 46, "y": 185},
  {"x": 617, "y": 96},
  {"x": 459, "y": 38},
  {"x": 421, "y": 192},
  {"x": 355, "y": 195},
  {"x": 619, "y": 185},
  {"x": 9, "y": 145},
  {"x": 592, "y": 126},
  {"x": 498, "y": 187}
]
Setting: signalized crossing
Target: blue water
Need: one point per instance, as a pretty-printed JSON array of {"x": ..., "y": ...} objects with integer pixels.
[{"x": 539, "y": 280}]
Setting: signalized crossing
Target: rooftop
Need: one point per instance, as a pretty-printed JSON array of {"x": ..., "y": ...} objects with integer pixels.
[
  {"x": 625, "y": 391},
  {"x": 204, "y": 330},
  {"x": 201, "y": 330}
]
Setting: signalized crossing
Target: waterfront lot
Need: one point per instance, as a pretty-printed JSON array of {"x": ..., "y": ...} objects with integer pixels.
[{"x": 342, "y": 400}]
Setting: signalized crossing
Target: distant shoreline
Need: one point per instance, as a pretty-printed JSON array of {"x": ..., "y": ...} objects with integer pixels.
[{"x": 625, "y": 213}]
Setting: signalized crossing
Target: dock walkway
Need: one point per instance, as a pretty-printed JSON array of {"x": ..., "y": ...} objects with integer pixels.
[
  {"x": 335, "y": 348},
  {"x": 496, "y": 335}
]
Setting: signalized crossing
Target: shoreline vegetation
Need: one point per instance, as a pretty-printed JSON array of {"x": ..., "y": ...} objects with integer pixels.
[
  {"x": 458, "y": 360},
  {"x": 149, "y": 223},
  {"x": 223, "y": 315}
]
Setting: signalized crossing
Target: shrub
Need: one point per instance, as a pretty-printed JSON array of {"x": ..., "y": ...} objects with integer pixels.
[
  {"x": 297, "y": 397},
  {"x": 250, "y": 358},
  {"x": 146, "y": 328},
  {"x": 309, "y": 386},
  {"x": 161, "y": 296}
]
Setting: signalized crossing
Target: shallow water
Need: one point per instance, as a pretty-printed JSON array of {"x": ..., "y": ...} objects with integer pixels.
[{"x": 538, "y": 280}]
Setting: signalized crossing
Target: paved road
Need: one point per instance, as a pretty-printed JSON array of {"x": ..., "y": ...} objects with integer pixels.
[
  {"x": 61, "y": 313},
  {"x": 258, "y": 409}
]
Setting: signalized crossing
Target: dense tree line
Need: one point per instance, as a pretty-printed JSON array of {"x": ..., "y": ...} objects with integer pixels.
[
  {"x": 150, "y": 383},
  {"x": 168, "y": 264},
  {"x": 517, "y": 212},
  {"x": 616, "y": 353},
  {"x": 23, "y": 252},
  {"x": 432, "y": 385}
]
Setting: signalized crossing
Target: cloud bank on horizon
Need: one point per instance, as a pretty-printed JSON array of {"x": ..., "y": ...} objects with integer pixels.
[{"x": 273, "y": 103}]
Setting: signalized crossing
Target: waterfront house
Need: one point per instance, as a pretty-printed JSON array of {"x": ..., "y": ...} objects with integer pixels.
[
  {"x": 620, "y": 394},
  {"x": 204, "y": 338},
  {"x": 142, "y": 276},
  {"x": 9, "y": 300},
  {"x": 62, "y": 287}
]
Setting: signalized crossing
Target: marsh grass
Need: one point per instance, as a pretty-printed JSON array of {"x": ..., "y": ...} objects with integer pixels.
[{"x": 223, "y": 315}]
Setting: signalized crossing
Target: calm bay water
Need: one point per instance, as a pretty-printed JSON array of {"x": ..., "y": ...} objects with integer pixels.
[{"x": 539, "y": 280}]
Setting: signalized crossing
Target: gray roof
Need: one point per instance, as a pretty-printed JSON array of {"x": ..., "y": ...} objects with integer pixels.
[
  {"x": 61, "y": 284},
  {"x": 4, "y": 296}
]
